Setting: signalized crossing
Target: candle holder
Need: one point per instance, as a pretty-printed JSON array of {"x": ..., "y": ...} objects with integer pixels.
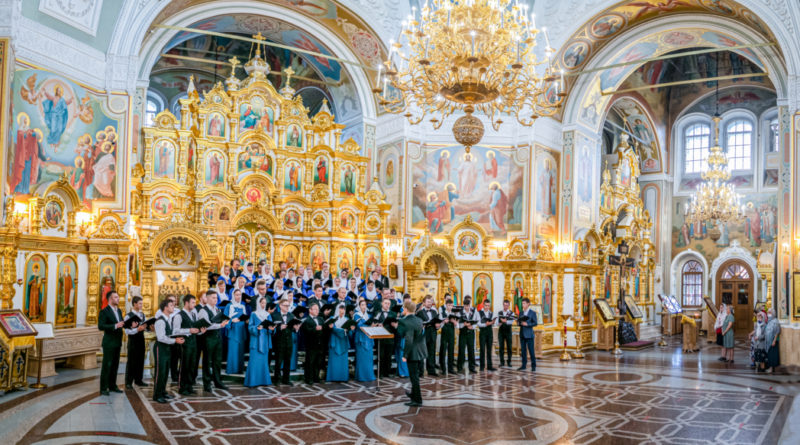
[
  {"x": 617, "y": 351},
  {"x": 578, "y": 341},
  {"x": 565, "y": 357}
]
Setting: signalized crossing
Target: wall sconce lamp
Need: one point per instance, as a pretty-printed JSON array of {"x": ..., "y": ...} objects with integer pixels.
[{"x": 84, "y": 222}]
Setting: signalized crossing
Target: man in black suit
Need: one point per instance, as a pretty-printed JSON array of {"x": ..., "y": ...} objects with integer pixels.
[
  {"x": 388, "y": 319},
  {"x": 134, "y": 369},
  {"x": 110, "y": 322},
  {"x": 526, "y": 334},
  {"x": 415, "y": 351},
  {"x": 426, "y": 314},
  {"x": 504, "y": 332},
  {"x": 312, "y": 328},
  {"x": 282, "y": 342},
  {"x": 183, "y": 324}
]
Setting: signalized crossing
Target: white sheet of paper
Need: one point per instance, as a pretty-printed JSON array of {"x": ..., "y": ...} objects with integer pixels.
[{"x": 44, "y": 330}]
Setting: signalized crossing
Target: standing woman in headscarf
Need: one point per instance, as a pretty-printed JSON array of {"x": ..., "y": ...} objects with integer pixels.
[
  {"x": 237, "y": 334},
  {"x": 338, "y": 369},
  {"x": 772, "y": 341},
  {"x": 723, "y": 312},
  {"x": 727, "y": 335},
  {"x": 260, "y": 344},
  {"x": 757, "y": 341},
  {"x": 364, "y": 346}
]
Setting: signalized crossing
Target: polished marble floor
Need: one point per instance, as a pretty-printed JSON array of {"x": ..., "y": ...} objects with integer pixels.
[{"x": 655, "y": 396}]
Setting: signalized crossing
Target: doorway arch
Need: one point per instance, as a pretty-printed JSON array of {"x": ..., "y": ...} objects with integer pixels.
[{"x": 735, "y": 287}]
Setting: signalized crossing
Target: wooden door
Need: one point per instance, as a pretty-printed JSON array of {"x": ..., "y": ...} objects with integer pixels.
[{"x": 735, "y": 287}]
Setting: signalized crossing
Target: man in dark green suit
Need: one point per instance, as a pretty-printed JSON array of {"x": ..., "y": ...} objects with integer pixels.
[
  {"x": 415, "y": 351},
  {"x": 110, "y": 322}
]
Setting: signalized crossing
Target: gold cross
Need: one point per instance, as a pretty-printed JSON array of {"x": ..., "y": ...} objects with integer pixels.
[
  {"x": 260, "y": 39},
  {"x": 289, "y": 72},
  {"x": 234, "y": 63}
]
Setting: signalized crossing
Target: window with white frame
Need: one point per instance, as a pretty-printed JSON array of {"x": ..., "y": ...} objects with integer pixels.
[
  {"x": 739, "y": 144},
  {"x": 692, "y": 283},
  {"x": 696, "y": 142},
  {"x": 150, "y": 112}
]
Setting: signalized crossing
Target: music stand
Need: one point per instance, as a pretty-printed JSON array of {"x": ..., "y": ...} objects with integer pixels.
[
  {"x": 44, "y": 331},
  {"x": 377, "y": 333}
]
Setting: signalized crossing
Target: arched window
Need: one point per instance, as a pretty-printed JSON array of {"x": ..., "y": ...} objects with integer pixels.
[
  {"x": 150, "y": 112},
  {"x": 696, "y": 141},
  {"x": 736, "y": 272},
  {"x": 739, "y": 144},
  {"x": 692, "y": 283}
]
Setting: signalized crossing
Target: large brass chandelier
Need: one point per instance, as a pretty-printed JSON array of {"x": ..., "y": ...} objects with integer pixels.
[
  {"x": 716, "y": 199},
  {"x": 468, "y": 56}
]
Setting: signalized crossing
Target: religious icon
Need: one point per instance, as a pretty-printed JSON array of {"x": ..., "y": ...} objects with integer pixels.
[
  {"x": 215, "y": 169},
  {"x": 36, "y": 288},
  {"x": 208, "y": 212},
  {"x": 605, "y": 310},
  {"x": 443, "y": 171},
  {"x": 292, "y": 175},
  {"x": 162, "y": 206},
  {"x": 291, "y": 254},
  {"x": 253, "y": 194},
  {"x": 321, "y": 171},
  {"x": 345, "y": 260},
  {"x": 547, "y": 299},
  {"x": 348, "y": 183},
  {"x": 243, "y": 239},
  {"x": 454, "y": 289},
  {"x": 224, "y": 214},
  {"x": 108, "y": 269},
  {"x": 53, "y": 213},
  {"x": 318, "y": 257},
  {"x": 519, "y": 294},
  {"x": 255, "y": 114},
  {"x": 390, "y": 172},
  {"x": 291, "y": 219},
  {"x": 66, "y": 293},
  {"x": 372, "y": 258},
  {"x": 435, "y": 213},
  {"x": 586, "y": 299},
  {"x": 625, "y": 176},
  {"x": 216, "y": 125},
  {"x": 482, "y": 285},
  {"x": 164, "y": 160},
  {"x": 467, "y": 245},
  {"x": 347, "y": 221},
  {"x": 262, "y": 240},
  {"x": 294, "y": 138},
  {"x": 498, "y": 208},
  {"x": 254, "y": 157}
]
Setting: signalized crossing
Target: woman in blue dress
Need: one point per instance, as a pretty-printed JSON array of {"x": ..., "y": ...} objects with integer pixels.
[
  {"x": 293, "y": 361},
  {"x": 260, "y": 343},
  {"x": 364, "y": 345},
  {"x": 237, "y": 334},
  {"x": 338, "y": 370},
  {"x": 399, "y": 345}
]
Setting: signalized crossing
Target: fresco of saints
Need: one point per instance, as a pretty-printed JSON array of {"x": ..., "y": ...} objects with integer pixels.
[
  {"x": 77, "y": 177},
  {"x": 66, "y": 288},
  {"x": 103, "y": 174},
  {"x": 498, "y": 208},
  {"x": 480, "y": 294},
  {"x": 322, "y": 172},
  {"x": 547, "y": 181},
  {"x": 447, "y": 196},
  {"x": 34, "y": 294},
  {"x": 467, "y": 174},
  {"x": 294, "y": 177},
  {"x": 518, "y": 296},
  {"x": 106, "y": 286},
  {"x": 28, "y": 154},
  {"x": 547, "y": 299},
  {"x": 434, "y": 213},
  {"x": 586, "y": 300},
  {"x": 293, "y": 137},
  {"x": 266, "y": 121},
  {"x": 164, "y": 160},
  {"x": 56, "y": 115},
  {"x": 490, "y": 167},
  {"x": 444, "y": 167}
]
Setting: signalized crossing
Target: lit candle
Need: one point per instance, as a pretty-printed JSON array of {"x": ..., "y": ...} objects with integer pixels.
[
  {"x": 533, "y": 21},
  {"x": 546, "y": 39}
]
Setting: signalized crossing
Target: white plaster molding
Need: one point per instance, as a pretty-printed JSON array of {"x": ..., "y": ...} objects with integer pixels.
[
  {"x": 385, "y": 17},
  {"x": 734, "y": 252},
  {"x": 83, "y": 15}
]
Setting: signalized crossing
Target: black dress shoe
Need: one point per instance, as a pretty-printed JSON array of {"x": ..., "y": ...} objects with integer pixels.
[
  {"x": 115, "y": 390},
  {"x": 413, "y": 404},
  {"x": 142, "y": 384},
  {"x": 521, "y": 368},
  {"x": 433, "y": 374},
  {"x": 533, "y": 369},
  {"x": 169, "y": 397},
  {"x": 184, "y": 393},
  {"x": 207, "y": 389},
  {"x": 491, "y": 369},
  {"x": 221, "y": 386},
  {"x": 451, "y": 371},
  {"x": 161, "y": 400},
  {"x": 287, "y": 383},
  {"x": 408, "y": 394},
  {"x": 129, "y": 387},
  {"x": 104, "y": 392},
  {"x": 472, "y": 370}
]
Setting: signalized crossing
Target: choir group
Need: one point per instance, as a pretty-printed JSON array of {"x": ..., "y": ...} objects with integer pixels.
[{"x": 259, "y": 319}]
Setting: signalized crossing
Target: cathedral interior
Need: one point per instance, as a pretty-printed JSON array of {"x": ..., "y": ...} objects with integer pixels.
[{"x": 620, "y": 172}]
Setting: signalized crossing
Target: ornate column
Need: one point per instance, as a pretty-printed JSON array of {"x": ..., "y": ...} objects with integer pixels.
[{"x": 93, "y": 288}]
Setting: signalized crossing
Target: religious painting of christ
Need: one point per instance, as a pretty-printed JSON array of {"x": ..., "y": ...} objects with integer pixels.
[
  {"x": 482, "y": 289},
  {"x": 66, "y": 292},
  {"x": 108, "y": 270},
  {"x": 35, "y": 304},
  {"x": 321, "y": 171}
]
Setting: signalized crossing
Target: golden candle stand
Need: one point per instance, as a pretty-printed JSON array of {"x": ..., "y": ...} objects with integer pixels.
[
  {"x": 565, "y": 357},
  {"x": 617, "y": 351},
  {"x": 578, "y": 340}
]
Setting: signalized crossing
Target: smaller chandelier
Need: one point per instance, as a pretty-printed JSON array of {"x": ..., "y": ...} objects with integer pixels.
[
  {"x": 716, "y": 199},
  {"x": 467, "y": 56}
]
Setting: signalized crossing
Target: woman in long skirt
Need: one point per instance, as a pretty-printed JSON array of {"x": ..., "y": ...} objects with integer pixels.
[
  {"x": 237, "y": 334},
  {"x": 260, "y": 343},
  {"x": 399, "y": 345},
  {"x": 772, "y": 342},
  {"x": 727, "y": 335},
  {"x": 338, "y": 370},
  {"x": 364, "y": 345}
]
